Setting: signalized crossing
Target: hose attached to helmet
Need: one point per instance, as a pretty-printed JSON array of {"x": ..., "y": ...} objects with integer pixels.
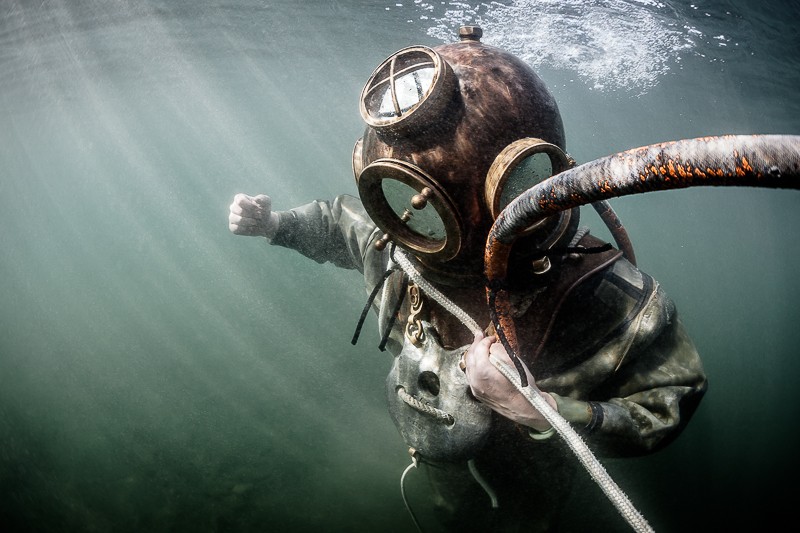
[
  {"x": 614, "y": 225},
  {"x": 771, "y": 161}
]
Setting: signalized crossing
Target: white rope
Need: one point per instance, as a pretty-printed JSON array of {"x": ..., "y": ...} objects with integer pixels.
[
  {"x": 576, "y": 444},
  {"x": 425, "y": 408},
  {"x": 403, "y": 492},
  {"x": 385, "y": 297},
  {"x": 482, "y": 482},
  {"x": 434, "y": 293}
]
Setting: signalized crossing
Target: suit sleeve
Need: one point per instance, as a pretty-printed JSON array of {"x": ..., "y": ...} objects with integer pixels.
[
  {"x": 638, "y": 385},
  {"x": 338, "y": 232}
]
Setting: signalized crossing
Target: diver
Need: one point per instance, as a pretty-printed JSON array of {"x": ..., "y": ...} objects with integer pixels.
[{"x": 453, "y": 134}]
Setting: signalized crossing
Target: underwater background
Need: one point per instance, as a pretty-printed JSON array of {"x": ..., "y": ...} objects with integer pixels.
[{"x": 158, "y": 373}]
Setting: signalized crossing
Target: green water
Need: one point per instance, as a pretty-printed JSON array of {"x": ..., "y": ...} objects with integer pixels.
[{"x": 160, "y": 374}]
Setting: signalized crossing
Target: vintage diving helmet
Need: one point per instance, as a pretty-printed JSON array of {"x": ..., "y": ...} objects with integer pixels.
[{"x": 454, "y": 133}]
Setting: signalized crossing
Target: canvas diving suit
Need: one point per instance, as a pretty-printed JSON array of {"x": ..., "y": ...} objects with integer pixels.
[{"x": 599, "y": 335}]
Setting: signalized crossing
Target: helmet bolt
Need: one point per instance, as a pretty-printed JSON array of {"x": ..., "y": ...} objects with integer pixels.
[
  {"x": 420, "y": 201},
  {"x": 381, "y": 243},
  {"x": 470, "y": 33},
  {"x": 542, "y": 265}
]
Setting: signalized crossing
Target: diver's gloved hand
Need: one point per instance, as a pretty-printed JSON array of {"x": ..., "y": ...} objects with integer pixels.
[
  {"x": 492, "y": 388},
  {"x": 253, "y": 216}
]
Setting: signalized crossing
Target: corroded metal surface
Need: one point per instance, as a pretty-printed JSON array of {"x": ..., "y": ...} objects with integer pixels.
[
  {"x": 499, "y": 99},
  {"x": 739, "y": 160}
]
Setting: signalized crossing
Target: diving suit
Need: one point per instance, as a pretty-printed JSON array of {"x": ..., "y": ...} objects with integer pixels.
[{"x": 453, "y": 134}]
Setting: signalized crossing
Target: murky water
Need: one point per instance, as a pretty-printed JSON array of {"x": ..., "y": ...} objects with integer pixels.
[{"x": 159, "y": 374}]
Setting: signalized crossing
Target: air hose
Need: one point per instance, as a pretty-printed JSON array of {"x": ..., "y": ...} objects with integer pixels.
[{"x": 771, "y": 161}]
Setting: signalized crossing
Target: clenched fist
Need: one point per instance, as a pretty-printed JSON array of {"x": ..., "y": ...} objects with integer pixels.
[{"x": 253, "y": 216}]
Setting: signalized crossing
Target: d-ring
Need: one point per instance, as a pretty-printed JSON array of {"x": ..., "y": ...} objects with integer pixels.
[{"x": 462, "y": 364}]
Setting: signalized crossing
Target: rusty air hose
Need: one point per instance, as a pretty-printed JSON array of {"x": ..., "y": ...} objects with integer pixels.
[{"x": 771, "y": 161}]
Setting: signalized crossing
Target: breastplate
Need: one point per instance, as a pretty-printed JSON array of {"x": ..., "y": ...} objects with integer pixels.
[{"x": 429, "y": 397}]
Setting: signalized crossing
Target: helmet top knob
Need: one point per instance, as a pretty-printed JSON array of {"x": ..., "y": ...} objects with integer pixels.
[{"x": 470, "y": 33}]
